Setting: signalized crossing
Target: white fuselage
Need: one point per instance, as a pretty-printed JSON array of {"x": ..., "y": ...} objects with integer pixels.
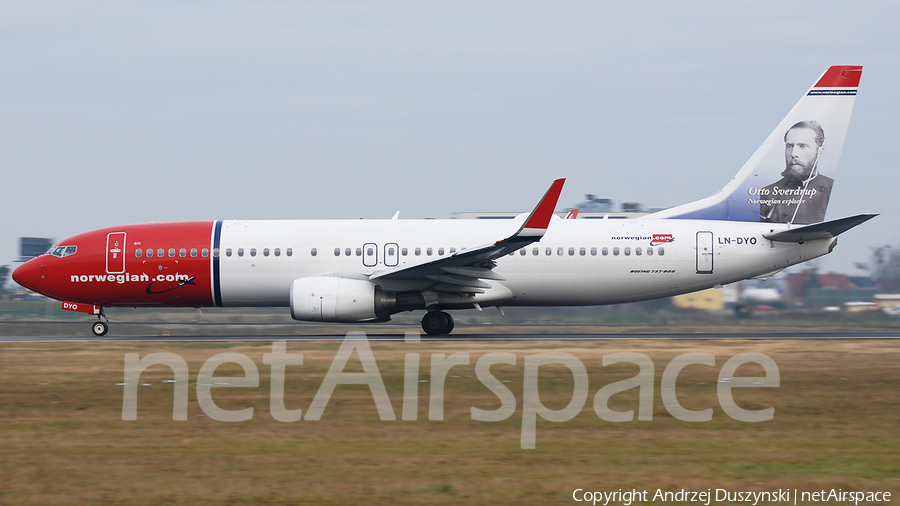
[{"x": 577, "y": 262}]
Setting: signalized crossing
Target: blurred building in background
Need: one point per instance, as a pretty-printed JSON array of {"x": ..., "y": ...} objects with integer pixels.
[{"x": 30, "y": 247}]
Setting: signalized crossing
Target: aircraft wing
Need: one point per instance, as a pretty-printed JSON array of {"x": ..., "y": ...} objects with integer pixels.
[
  {"x": 462, "y": 271},
  {"x": 823, "y": 230}
]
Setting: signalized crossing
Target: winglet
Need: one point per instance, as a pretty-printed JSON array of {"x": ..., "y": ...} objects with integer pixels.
[{"x": 536, "y": 223}]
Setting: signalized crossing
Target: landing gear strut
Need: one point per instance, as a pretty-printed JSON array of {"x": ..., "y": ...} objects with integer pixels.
[
  {"x": 437, "y": 323},
  {"x": 101, "y": 327}
]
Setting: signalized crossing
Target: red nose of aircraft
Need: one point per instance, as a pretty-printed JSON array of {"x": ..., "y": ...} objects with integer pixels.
[{"x": 31, "y": 274}]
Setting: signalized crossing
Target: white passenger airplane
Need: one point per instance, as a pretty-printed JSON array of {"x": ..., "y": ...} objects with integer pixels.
[{"x": 768, "y": 217}]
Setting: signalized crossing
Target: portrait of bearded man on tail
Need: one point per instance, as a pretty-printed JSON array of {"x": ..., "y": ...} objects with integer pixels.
[{"x": 801, "y": 195}]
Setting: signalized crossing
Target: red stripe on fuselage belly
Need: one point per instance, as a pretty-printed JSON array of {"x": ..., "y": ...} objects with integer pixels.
[{"x": 147, "y": 280}]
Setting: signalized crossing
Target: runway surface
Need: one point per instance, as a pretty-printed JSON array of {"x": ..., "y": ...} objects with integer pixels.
[{"x": 494, "y": 337}]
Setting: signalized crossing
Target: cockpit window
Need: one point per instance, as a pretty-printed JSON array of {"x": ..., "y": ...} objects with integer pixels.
[{"x": 62, "y": 251}]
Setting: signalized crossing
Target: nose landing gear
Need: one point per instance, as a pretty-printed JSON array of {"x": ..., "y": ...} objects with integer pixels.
[
  {"x": 101, "y": 326},
  {"x": 437, "y": 323}
]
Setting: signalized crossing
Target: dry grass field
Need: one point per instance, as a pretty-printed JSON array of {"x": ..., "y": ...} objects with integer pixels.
[{"x": 63, "y": 440}]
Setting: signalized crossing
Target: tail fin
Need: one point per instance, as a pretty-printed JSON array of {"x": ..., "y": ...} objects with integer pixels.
[{"x": 789, "y": 178}]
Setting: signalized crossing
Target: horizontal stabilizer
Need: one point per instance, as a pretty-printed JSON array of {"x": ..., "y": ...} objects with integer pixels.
[{"x": 824, "y": 230}]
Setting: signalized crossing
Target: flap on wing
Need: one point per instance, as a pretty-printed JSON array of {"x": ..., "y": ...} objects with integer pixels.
[
  {"x": 477, "y": 262},
  {"x": 816, "y": 231}
]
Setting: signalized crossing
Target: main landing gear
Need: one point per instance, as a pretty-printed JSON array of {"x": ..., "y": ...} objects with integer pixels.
[
  {"x": 437, "y": 323},
  {"x": 101, "y": 326}
]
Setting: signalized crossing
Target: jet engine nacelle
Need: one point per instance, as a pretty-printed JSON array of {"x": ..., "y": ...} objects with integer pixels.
[{"x": 333, "y": 299}]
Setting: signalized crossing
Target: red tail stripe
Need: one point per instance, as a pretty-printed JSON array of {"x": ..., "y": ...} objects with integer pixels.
[{"x": 841, "y": 76}]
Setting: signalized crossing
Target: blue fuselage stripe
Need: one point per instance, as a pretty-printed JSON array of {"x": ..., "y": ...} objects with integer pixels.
[{"x": 217, "y": 286}]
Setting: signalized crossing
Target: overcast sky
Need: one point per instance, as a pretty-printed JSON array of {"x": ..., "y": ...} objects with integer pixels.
[{"x": 115, "y": 113}]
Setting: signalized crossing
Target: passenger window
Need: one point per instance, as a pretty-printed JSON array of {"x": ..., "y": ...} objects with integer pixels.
[
  {"x": 418, "y": 251},
  {"x": 452, "y": 250},
  {"x": 265, "y": 252},
  {"x": 240, "y": 252},
  {"x": 277, "y": 252},
  {"x": 171, "y": 252},
  {"x": 428, "y": 251},
  {"x": 347, "y": 251},
  {"x": 559, "y": 251},
  {"x": 535, "y": 251},
  {"x": 615, "y": 252},
  {"x": 253, "y": 252},
  {"x": 337, "y": 252},
  {"x": 404, "y": 251},
  {"x": 440, "y": 251},
  {"x": 359, "y": 252},
  {"x": 193, "y": 252},
  {"x": 522, "y": 252},
  {"x": 637, "y": 251},
  {"x": 571, "y": 252},
  {"x": 605, "y": 251},
  {"x": 662, "y": 251},
  {"x": 138, "y": 252},
  {"x": 312, "y": 252},
  {"x": 548, "y": 251},
  {"x": 182, "y": 252},
  {"x": 593, "y": 252},
  {"x": 160, "y": 252},
  {"x": 582, "y": 251},
  {"x": 370, "y": 251},
  {"x": 289, "y": 252},
  {"x": 649, "y": 252},
  {"x": 627, "y": 251},
  {"x": 228, "y": 252},
  {"x": 149, "y": 252}
]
